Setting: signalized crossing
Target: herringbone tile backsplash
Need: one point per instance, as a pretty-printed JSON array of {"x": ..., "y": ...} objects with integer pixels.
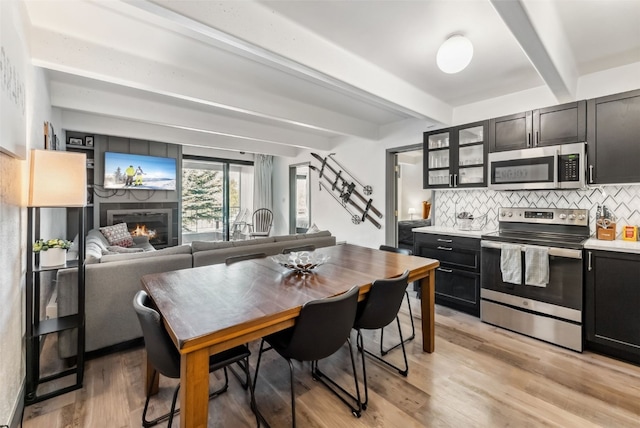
[{"x": 622, "y": 201}]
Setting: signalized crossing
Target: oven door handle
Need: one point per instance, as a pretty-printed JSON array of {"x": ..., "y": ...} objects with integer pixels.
[{"x": 553, "y": 251}]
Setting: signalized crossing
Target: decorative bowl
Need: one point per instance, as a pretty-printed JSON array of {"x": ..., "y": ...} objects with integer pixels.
[{"x": 301, "y": 261}]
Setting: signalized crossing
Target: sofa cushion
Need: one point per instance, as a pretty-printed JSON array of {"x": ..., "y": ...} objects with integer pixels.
[
  {"x": 118, "y": 234},
  {"x": 284, "y": 238},
  {"x": 314, "y": 235},
  {"x": 114, "y": 249},
  {"x": 94, "y": 245},
  {"x": 313, "y": 229},
  {"x": 257, "y": 241},
  {"x": 210, "y": 245},
  {"x": 182, "y": 249}
]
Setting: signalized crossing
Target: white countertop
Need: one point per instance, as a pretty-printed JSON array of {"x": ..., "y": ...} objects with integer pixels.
[
  {"x": 451, "y": 231},
  {"x": 617, "y": 245}
]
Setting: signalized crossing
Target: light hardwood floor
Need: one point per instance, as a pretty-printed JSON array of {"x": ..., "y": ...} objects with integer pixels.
[{"x": 479, "y": 376}]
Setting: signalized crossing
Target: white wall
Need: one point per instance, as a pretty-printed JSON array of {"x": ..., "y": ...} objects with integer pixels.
[
  {"x": 13, "y": 232},
  {"x": 366, "y": 160}
]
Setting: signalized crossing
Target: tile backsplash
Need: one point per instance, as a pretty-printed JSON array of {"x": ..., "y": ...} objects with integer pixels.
[{"x": 623, "y": 201}]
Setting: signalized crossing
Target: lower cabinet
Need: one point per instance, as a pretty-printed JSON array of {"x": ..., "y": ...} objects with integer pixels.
[
  {"x": 612, "y": 304},
  {"x": 458, "y": 277}
]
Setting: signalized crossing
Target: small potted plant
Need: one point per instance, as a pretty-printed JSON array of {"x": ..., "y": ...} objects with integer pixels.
[{"x": 53, "y": 252}]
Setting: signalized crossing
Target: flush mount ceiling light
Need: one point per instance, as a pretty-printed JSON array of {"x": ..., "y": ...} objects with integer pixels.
[{"x": 454, "y": 54}]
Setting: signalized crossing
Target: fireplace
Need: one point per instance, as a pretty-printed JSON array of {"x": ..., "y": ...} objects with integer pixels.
[{"x": 154, "y": 223}]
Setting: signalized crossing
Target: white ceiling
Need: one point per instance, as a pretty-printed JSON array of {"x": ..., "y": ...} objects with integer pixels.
[{"x": 280, "y": 76}]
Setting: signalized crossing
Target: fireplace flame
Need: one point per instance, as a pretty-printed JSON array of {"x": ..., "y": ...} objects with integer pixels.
[{"x": 141, "y": 230}]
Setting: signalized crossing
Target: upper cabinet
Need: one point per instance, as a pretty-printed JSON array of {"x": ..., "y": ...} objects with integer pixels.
[
  {"x": 456, "y": 157},
  {"x": 561, "y": 124},
  {"x": 614, "y": 139}
]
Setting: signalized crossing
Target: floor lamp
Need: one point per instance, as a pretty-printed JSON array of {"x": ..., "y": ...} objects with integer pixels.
[{"x": 56, "y": 180}]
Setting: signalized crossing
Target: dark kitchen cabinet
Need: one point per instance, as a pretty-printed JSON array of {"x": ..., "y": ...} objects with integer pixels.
[
  {"x": 612, "y": 304},
  {"x": 561, "y": 124},
  {"x": 456, "y": 157},
  {"x": 613, "y": 135},
  {"x": 458, "y": 277}
]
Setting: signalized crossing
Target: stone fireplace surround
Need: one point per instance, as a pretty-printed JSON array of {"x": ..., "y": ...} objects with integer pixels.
[{"x": 170, "y": 208}]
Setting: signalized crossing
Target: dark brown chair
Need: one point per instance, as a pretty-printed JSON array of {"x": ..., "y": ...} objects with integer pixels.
[
  {"x": 321, "y": 329},
  {"x": 309, "y": 247}
]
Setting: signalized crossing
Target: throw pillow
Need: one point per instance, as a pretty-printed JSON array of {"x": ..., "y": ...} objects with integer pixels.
[
  {"x": 313, "y": 229},
  {"x": 118, "y": 234}
]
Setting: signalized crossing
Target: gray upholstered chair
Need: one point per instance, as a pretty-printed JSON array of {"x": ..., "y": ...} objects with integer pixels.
[
  {"x": 165, "y": 358},
  {"x": 321, "y": 329}
]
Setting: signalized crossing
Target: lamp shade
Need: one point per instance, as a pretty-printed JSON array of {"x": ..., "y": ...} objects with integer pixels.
[
  {"x": 411, "y": 211},
  {"x": 57, "y": 179}
]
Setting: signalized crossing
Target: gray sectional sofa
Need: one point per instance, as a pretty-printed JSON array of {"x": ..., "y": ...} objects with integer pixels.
[{"x": 113, "y": 278}]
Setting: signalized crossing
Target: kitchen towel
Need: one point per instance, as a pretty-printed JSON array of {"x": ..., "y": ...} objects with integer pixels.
[
  {"x": 510, "y": 264},
  {"x": 536, "y": 270}
]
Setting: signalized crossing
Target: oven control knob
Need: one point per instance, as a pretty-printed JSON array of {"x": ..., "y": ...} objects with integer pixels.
[
  {"x": 572, "y": 216},
  {"x": 581, "y": 217},
  {"x": 563, "y": 216},
  {"x": 502, "y": 214},
  {"x": 509, "y": 214}
]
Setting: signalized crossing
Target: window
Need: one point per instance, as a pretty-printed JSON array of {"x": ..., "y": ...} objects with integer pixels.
[{"x": 216, "y": 199}]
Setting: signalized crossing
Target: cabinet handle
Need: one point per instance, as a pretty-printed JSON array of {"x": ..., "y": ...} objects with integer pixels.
[
  {"x": 445, "y": 248},
  {"x": 591, "y": 174},
  {"x": 528, "y": 139},
  {"x": 455, "y": 180},
  {"x": 445, "y": 240},
  {"x": 445, "y": 270},
  {"x": 589, "y": 267},
  {"x": 450, "y": 180},
  {"x": 537, "y": 139}
]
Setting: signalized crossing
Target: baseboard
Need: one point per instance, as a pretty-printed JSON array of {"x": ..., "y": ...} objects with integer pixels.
[{"x": 16, "y": 418}]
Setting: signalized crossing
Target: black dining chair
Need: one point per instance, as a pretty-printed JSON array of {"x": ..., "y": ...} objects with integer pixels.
[
  {"x": 378, "y": 310},
  {"x": 165, "y": 358},
  {"x": 321, "y": 329},
  {"x": 406, "y": 252}
]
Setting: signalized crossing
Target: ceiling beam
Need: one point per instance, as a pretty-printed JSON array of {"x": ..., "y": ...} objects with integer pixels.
[
  {"x": 100, "y": 124},
  {"x": 257, "y": 33},
  {"x": 82, "y": 57},
  {"x": 129, "y": 107},
  {"x": 535, "y": 26}
]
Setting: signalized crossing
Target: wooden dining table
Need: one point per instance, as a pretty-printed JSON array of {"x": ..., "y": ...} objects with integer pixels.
[{"x": 209, "y": 309}]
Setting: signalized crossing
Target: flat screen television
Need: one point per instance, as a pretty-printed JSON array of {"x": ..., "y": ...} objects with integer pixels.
[{"x": 127, "y": 171}]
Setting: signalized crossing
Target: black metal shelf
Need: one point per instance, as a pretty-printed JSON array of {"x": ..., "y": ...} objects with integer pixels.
[
  {"x": 37, "y": 268},
  {"x": 54, "y": 325},
  {"x": 37, "y": 329}
]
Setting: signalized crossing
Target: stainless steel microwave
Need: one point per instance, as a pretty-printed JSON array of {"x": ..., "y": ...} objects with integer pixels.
[{"x": 551, "y": 167}]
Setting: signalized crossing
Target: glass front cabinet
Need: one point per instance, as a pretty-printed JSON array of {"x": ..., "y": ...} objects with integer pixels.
[{"x": 456, "y": 157}]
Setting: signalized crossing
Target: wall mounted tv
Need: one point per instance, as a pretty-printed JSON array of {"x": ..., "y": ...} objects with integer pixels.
[{"x": 127, "y": 171}]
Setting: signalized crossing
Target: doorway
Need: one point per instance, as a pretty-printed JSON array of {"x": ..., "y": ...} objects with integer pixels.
[
  {"x": 299, "y": 198},
  {"x": 404, "y": 172}
]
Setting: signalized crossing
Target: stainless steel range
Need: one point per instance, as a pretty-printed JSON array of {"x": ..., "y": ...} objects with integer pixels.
[{"x": 532, "y": 273}]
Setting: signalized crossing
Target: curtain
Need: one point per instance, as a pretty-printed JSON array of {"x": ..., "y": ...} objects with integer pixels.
[{"x": 262, "y": 188}]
